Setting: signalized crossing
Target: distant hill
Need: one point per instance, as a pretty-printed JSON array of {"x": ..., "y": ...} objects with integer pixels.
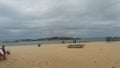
[
  {"x": 59, "y": 38},
  {"x": 51, "y": 38}
]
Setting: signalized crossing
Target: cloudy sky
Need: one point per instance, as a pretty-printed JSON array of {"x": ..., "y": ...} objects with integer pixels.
[{"x": 20, "y": 19}]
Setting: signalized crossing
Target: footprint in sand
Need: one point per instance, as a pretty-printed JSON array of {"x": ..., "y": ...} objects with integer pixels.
[
  {"x": 40, "y": 64},
  {"x": 46, "y": 62},
  {"x": 56, "y": 67},
  {"x": 94, "y": 61},
  {"x": 113, "y": 67},
  {"x": 116, "y": 62}
]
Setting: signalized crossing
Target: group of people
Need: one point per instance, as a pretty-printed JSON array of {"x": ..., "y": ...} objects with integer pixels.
[{"x": 3, "y": 52}]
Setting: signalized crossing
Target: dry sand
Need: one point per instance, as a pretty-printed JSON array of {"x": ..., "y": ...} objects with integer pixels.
[{"x": 93, "y": 55}]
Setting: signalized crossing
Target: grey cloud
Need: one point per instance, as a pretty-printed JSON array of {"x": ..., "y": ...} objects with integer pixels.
[{"x": 34, "y": 19}]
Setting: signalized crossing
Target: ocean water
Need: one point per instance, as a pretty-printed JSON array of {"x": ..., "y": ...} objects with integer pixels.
[{"x": 21, "y": 43}]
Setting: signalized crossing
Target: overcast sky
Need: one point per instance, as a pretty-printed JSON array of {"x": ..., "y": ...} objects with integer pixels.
[{"x": 20, "y": 19}]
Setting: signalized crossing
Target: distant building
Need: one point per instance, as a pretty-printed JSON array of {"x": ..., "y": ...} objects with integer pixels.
[
  {"x": 109, "y": 39},
  {"x": 116, "y": 39}
]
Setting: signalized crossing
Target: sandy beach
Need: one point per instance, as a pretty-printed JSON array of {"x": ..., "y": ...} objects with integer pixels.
[{"x": 92, "y": 55}]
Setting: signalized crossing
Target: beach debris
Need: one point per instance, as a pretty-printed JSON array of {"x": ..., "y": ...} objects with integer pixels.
[
  {"x": 8, "y": 52},
  {"x": 76, "y": 45}
]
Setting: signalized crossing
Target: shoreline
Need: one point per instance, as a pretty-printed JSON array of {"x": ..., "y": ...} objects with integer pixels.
[{"x": 46, "y": 42}]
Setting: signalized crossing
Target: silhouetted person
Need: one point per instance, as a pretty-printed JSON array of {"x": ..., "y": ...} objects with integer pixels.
[
  {"x": 63, "y": 41},
  {"x": 39, "y": 45},
  {"x": 3, "y": 49},
  {"x": 3, "y": 52}
]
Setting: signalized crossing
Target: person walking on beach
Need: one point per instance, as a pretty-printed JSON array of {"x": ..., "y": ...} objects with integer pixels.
[
  {"x": 39, "y": 45},
  {"x": 63, "y": 41}
]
